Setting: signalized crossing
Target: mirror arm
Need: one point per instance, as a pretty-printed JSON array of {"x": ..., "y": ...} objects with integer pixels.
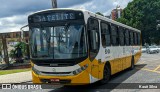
[{"x": 22, "y": 31}]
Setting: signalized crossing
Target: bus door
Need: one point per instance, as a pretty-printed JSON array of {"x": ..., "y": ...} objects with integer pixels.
[{"x": 93, "y": 35}]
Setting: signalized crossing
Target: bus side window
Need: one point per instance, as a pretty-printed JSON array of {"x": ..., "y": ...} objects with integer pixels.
[
  {"x": 135, "y": 38},
  {"x": 126, "y": 37},
  {"x": 138, "y": 36},
  {"x": 105, "y": 34},
  {"x": 121, "y": 35},
  {"x": 114, "y": 35},
  {"x": 131, "y": 37}
]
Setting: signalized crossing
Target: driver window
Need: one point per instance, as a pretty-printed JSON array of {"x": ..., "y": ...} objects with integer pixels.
[{"x": 93, "y": 29}]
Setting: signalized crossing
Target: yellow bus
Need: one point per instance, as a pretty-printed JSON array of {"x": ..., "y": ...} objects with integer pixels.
[{"x": 74, "y": 46}]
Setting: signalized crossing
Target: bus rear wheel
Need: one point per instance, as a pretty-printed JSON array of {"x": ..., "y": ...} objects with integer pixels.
[{"x": 106, "y": 75}]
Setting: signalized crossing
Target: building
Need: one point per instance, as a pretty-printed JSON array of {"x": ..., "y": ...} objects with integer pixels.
[
  {"x": 15, "y": 36},
  {"x": 116, "y": 13}
]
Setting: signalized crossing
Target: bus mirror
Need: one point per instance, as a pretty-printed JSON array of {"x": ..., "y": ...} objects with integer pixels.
[{"x": 22, "y": 32}]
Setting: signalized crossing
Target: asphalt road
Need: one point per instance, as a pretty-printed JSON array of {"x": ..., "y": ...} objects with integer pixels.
[{"x": 147, "y": 70}]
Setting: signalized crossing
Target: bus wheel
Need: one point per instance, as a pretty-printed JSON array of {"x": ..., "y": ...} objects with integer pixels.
[
  {"x": 106, "y": 75},
  {"x": 132, "y": 63}
]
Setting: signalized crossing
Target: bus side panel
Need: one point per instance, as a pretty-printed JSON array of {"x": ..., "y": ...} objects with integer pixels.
[
  {"x": 116, "y": 65},
  {"x": 137, "y": 57},
  {"x": 128, "y": 61},
  {"x": 124, "y": 63}
]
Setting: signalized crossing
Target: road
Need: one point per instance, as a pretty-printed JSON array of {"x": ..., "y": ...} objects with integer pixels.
[{"x": 147, "y": 70}]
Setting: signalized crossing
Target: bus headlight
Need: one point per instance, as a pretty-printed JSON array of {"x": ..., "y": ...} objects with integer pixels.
[
  {"x": 35, "y": 70},
  {"x": 80, "y": 69}
]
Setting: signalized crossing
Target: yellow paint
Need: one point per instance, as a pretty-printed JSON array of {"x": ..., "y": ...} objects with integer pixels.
[
  {"x": 95, "y": 68},
  {"x": 149, "y": 70},
  {"x": 87, "y": 61},
  {"x": 120, "y": 64},
  {"x": 35, "y": 78},
  {"x": 116, "y": 65},
  {"x": 157, "y": 68},
  {"x": 137, "y": 57},
  {"x": 128, "y": 61},
  {"x": 101, "y": 69}
]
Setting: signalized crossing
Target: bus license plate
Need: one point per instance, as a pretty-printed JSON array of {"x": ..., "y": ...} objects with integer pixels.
[{"x": 54, "y": 80}]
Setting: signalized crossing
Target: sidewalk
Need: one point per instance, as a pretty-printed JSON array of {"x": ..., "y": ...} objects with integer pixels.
[{"x": 16, "y": 77}]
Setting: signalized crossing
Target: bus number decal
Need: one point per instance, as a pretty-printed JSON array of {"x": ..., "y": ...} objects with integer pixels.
[{"x": 107, "y": 51}]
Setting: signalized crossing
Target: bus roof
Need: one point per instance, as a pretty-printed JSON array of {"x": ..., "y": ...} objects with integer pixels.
[{"x": 94, "y": 15}]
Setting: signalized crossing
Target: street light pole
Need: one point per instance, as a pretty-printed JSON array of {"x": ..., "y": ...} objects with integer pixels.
[{"x": 54, "y": 3}]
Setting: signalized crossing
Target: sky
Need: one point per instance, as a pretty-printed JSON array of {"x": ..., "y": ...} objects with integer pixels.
[{"x": 13, "y": 13}]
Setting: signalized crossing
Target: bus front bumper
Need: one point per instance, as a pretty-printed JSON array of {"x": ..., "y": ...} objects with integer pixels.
[{"x": 79, "y": 79}]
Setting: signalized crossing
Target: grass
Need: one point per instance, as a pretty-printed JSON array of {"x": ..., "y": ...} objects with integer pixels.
[{"x": 3, "y": 72}]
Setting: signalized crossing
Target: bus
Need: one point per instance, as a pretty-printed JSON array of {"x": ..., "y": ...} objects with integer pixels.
[{"x": 75, "y": 46}]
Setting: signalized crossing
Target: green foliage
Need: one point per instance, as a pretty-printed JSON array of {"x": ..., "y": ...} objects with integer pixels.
[
  {"x": 12, "y": 54},
  {"x": 23, "y": 47},
  {"x": 143, "y": 14},
  {"x": 99, "y": 13},
  {"x": 4, "y": 72}
]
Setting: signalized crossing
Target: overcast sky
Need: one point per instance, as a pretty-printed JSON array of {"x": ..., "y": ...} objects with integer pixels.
[{"x": 14, "y": 12}]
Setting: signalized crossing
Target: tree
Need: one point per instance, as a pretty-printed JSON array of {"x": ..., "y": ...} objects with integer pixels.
[
  {"x": 23, "y": 46},
  {"x": 99, "y": 13},
  {"x": 143, "y": 14}
]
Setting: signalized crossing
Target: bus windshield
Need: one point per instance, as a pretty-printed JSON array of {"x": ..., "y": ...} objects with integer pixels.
[{"x": 58, "y": 42}]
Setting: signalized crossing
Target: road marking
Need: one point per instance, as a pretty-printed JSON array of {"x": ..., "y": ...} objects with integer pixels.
[
  {"x": 148, "y": 70},
  {"x": 157, "y": 68}
]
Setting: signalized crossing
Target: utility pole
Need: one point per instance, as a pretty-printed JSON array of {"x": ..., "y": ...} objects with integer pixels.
[{"x": 54, "y": 3}]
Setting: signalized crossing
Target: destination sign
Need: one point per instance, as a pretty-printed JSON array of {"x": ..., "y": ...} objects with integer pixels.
[{"x": 51, "y": 17}]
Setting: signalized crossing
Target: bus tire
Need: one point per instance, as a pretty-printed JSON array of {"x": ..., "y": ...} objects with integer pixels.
[
  {"x": 106, "y": 74},
  {"x": 132, "y": 63}
]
